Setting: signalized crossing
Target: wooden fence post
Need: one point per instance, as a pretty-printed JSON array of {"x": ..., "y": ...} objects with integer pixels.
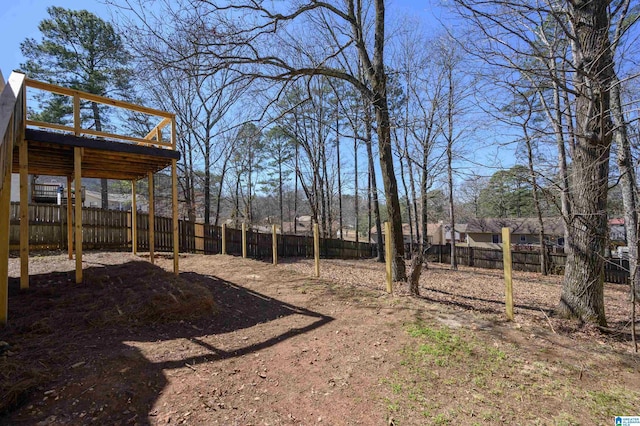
[
  {"x": 134, "y": 219},
  {"x": 316, "y": 249},
  {"x": 24, "y": 213},
  {"x": 77, "y": 172},
  {"x": 506, "y": 256},
  {"x": 174, "y": 204},
  {"x": 152, "y": 223},
  {"x": 274, "y": 244},
  {"x": 388, "y": 255},
  {"x": 199, "y": 239},
  {"x": 244, "y": 240},
  {"x": 224, "y": 239},
  {"x": 69, "y": 218}
]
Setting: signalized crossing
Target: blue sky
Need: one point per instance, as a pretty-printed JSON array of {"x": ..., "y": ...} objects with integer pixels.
[{"x": 20, "y": 20}]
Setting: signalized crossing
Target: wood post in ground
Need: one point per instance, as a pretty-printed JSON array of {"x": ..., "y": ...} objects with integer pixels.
[
  {"x": 24, "y": 214},
  {"x": 152, "y": 220},
  {"x": 77, "y": 172},
  {"x": 274, "y": 244},
  {"x": 224, "y": 239},
  {"x": 388, "y": 255},
  {"x": 5, "y": 225},
  {"x": 69, "y": 218},
  {"x": 134, "y": 219},
  {"x": 174, "y": 200},
  {"x": 316, "y": 249},
  {"x": 244, "y": 240},
  {"x": 199, "y": 243},
  {"x": 506, "y": 256}
]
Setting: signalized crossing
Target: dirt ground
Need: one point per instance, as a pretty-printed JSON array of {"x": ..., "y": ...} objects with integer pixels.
[{"x": 233, "y": 341}]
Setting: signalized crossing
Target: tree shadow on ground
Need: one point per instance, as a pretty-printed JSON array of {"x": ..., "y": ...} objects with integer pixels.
[
  {"x": 74, "y": 355},
  {"x": 494, "y": 306}
]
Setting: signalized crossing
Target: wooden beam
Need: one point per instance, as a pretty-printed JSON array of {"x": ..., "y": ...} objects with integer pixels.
[
  {"x": 508, "y": 279},
  {"x": 77, "y": 124},
  {"x": 134, "y": 219},
  {"x": 96, "y": 98},
  {"x": 5, "y": 223},
  {"x": 77, "y": 172},
  {"x": 316, "y": 249},
  {"x": 388, "y": 255},
  {"x": 173, "y": 132},
  {"x": 24, "y": 214},
  {"x": 274, "y": 244},
  {"x": 69, "y": 218},
  {"x": 176, "y": 237},
  {"x": 152, "y": 220},
  {"x": 244, "y": 240},
  {"x": 160, "y": 125},
  {"x": 224, "y": 239},
  {"x": 103, "y": 145}
]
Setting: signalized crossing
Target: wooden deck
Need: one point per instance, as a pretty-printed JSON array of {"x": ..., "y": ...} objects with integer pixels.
[
  {"x": 31, "y": 147},
  {"x": 52, "y": 154}
]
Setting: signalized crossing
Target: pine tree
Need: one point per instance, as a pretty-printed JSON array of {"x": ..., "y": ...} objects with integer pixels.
[{"x": 80, "y": 51}]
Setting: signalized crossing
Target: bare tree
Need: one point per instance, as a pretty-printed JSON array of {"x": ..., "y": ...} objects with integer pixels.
[
  {"x": 513, "y": 32},
  {"x": 263, "y": 45}
]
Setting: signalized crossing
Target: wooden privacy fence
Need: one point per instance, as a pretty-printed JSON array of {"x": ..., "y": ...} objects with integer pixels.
[
  {"x": 111, "y": 229},
  {"x": 616, "y": 270}
]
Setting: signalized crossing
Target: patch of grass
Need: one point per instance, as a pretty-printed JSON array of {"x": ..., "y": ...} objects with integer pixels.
[
  {"x": 612, "y": 402},
  {"x": 442, "y": 370},
  {"x": 441, "y": 419},
  {"x": 441, "y": 344},
  {"x": 565, "y": 419}
]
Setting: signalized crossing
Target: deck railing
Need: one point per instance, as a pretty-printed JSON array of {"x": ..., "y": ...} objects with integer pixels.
[{"x": 152, "y": 138}]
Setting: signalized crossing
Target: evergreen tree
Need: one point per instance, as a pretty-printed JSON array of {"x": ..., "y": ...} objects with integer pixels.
[{"x": 80, "y": 51}]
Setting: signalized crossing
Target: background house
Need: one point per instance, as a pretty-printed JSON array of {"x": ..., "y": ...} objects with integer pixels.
[
  {"x": 459, "y": 236},
  {"x": 435, "y": 233},
  {"x": 617, "y": 232},
  {"x": 524, "y": 231}
]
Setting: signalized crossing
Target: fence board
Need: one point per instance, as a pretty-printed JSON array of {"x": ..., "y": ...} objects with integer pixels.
[
  {"x": 111, "y": 229},
  {"x": 615, "y": 271}
]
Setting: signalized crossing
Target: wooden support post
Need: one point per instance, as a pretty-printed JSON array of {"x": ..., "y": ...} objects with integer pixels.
[
  {"x": 134, "y": 219},
  {"x": 69, "y": 218},
  {"x": 224, "y": 239},
  {"x": 316, "y": 249},
  {"x": 24, "y": 214},
  {"x": 508, "y": 283},
  {"x": 5, "y": 224},
  {"x": 274, "y": 244},
  {"x": 244, "y": 240},
  {"x": 76, "y": 115},
  {"x": 77, "y": 172},
  {"x": 152, "y": 220},
  {"x": 176, "y": 237},
  {"x": 388, "y": 255}
]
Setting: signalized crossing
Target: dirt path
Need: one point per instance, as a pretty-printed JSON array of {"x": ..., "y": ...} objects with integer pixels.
[{"x": 261, "y": 345}]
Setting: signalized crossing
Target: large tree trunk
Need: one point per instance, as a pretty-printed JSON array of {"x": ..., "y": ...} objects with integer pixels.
[
  {"x": 340, "y": 226},
  {"x": 207, "y": 175},
  {"x": 401, "y": 157},
  {"x": 628, "y": 182},
  {"x": 452, "y": 214},
  {"x": 356, "y": 206},
  {"x": 583, "y": 286},
  {"x": 375, "y": 73},
  {"x": 373, "y": 187},
  {"x": 544, "y": 263},
  {"x": 219, "y": 195},
  {"x": 628, "y": 178}
]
